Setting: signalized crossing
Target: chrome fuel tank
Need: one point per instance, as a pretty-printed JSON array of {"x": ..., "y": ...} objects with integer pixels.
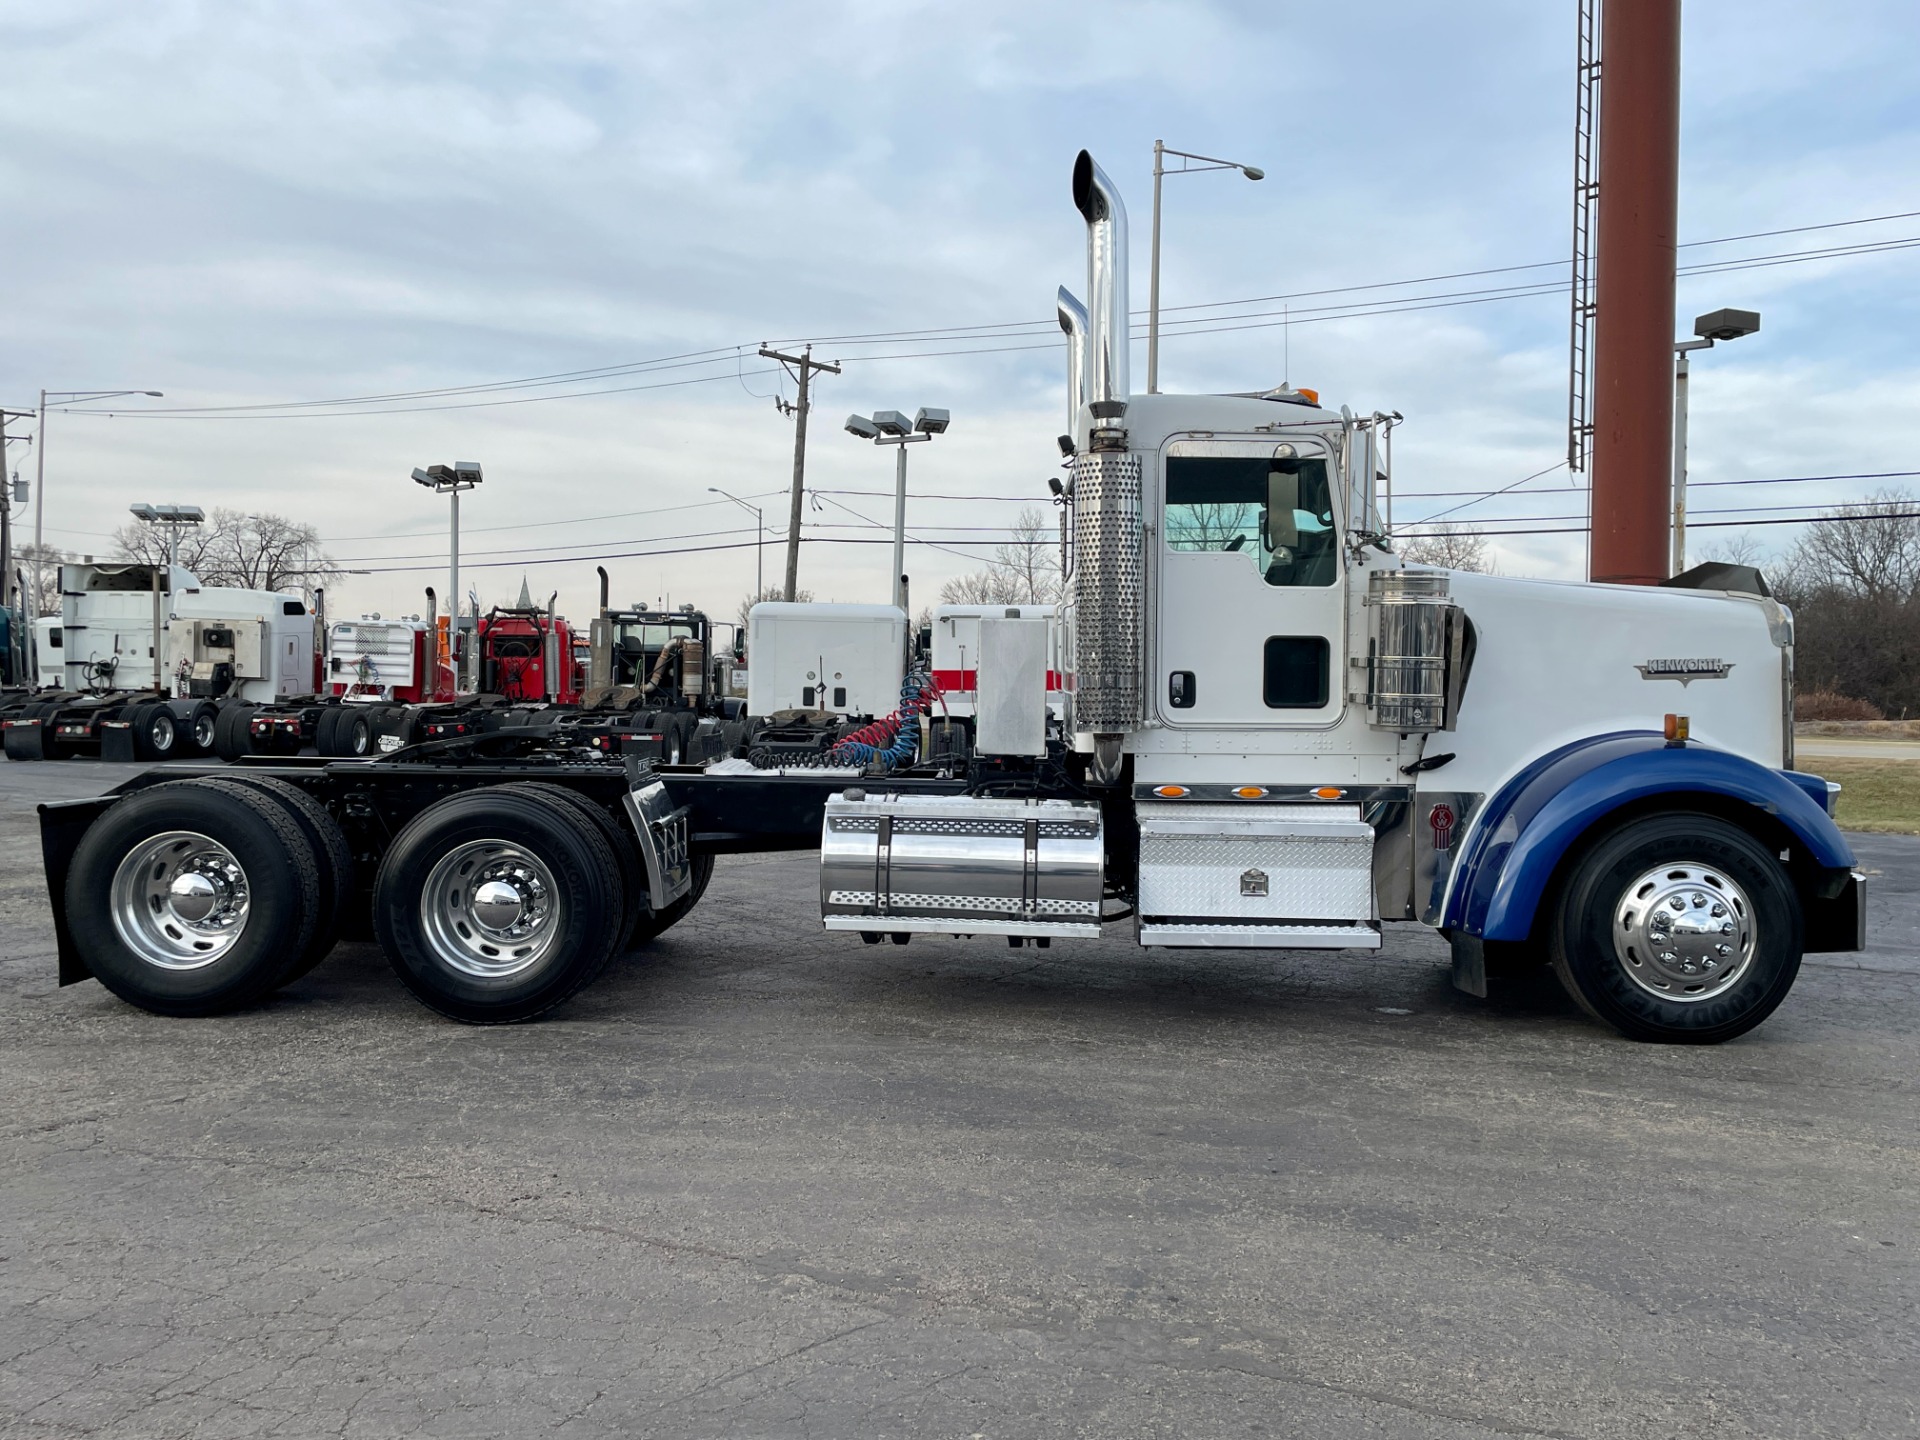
[{"x": 960, "y": 865}]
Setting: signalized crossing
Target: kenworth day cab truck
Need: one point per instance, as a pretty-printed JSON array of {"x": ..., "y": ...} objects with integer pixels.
[{"x": 1275, "y": 736}]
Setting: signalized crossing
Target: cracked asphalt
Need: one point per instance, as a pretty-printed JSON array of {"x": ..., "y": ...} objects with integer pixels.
[{"x": 760, "y": 1181}]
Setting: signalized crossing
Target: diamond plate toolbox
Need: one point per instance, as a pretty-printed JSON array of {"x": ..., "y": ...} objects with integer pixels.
[
  {"x": 1256, "y": 863},
  {"x": 959, "y": 865}
]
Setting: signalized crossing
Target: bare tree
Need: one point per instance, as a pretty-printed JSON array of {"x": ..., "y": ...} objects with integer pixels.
[
  {"x": 992, "y": 586},
  {"x": 1853, "y": 582},
  {"x": 1741, "y": 548},
  {"x": 772, "y": 592},
  {"x": 248, "y": 551},
  {"x": 1211, "y": 526},
  {"x": 45, "y": 562},
  {"x": 1447, "y": 546},
  {"x": 1871, "y": 549},
  {"x": 1025, "y": 570}
]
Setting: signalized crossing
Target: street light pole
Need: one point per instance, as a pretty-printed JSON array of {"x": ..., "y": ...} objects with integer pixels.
[
  {"x": 450, "y": 480},
  {"x": 1153, "y": 275},
  {"x": 900, "y": 513},
  {"x": 1720, "y": 325},
  {"x": 1208, "y": 162},
  {"x": 1678, "y": 560},
  {"x": 890, "y": 427},
  {"x": 759, "y": 540},
  {"x": 39, "y": 507},
  {"x": 40, "y": 474}
]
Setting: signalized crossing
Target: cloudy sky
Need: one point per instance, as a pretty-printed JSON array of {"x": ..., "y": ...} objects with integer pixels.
[{"x": 268, "y": 204}]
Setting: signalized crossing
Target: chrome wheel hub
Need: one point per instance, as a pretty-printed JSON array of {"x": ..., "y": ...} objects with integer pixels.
[
  {"x": 1684, "y": 932},
  {"x": 179, "y": 900},
  {"x": 491, "y": 909}
]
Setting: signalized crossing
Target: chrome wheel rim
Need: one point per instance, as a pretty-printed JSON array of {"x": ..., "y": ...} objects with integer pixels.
[
  {"x": 203, "y": 731},
  {"x": 161, "y": 732},
  {"x": 180, "y": 900},
  {"x": 1685, "y": 932},
  {"x": 358, "y": 731},
  {"x": 491, "y": 909}
]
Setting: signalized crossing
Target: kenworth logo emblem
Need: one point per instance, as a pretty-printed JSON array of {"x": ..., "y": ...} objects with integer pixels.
[{"x": 1685, "y": 671}]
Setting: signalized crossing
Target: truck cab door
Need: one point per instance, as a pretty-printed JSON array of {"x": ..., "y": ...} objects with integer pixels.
[{"x": 1251, "y": 628}]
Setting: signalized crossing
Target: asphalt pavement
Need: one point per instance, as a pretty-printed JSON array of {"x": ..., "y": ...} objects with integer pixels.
[{"x": 764, "y": 1181}]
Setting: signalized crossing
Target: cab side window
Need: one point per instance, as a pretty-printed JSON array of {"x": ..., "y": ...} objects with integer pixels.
[{"x": 1278, "y": 513}]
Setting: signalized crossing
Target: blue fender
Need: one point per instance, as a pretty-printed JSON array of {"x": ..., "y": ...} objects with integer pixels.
[{"x": 1538, "y": 815}]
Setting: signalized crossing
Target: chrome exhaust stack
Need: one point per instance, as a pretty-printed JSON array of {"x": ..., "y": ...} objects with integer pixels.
[
  {"x": 1100, "y": 205},
  {"x": 1073, "y": 323},
  {"x": 1109, "y": 584}
]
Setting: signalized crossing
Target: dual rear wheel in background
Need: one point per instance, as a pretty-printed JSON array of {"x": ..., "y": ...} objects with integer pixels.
[
  {"x": 346, "y": 730},
  {"x": 493, "y": 905}
]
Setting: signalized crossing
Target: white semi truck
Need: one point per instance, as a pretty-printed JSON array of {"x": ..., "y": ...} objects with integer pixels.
[
  {"x": 144, "y": 659},
  {"x": 1273, "y": 735}
]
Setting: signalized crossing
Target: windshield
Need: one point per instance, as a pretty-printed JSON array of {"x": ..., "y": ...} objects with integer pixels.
[{"x": 1220, "y": 503}]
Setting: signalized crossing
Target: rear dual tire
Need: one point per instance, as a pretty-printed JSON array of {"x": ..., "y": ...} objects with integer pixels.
[
  {"x": 232, "y": 730},
  {"x": 344, "y": 731},
  {"x": 496, "y": 905},
  {"x": 195, "y": 897},
  {"x": 654, "y": 923}
]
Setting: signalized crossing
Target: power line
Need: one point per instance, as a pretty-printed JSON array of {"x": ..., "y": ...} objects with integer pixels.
[
  {"x": 1012, "y": 329},
  {"x": 1691, "y": 484},
  {"x": 1704, "y": 524},
  {"x": 316, "y": 414},
  {"x": 538, "y": 561}
]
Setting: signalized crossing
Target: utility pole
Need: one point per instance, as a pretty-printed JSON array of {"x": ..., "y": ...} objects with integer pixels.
[
  {"x": 6, "y": 503},
  {"x": 39, "y": 506},
  {"x": 806, "y": 365}
]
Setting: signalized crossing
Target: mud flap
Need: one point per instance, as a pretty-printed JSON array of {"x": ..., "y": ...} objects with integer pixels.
[
  {"x": 61, "y": 827},
  {"x": 1469, "y": 963}
]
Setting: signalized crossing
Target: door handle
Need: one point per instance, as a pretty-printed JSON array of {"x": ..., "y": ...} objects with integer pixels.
[{"x": 1180, "y": 690}]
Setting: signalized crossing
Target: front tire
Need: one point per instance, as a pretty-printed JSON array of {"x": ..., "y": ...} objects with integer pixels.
[
  {"x": 1678, "y": 928},
  {"x": 496, "y": 905}
]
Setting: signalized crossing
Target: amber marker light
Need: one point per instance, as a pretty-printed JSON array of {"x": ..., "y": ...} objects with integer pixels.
[
  {"x": 1250, "y": 792},
  {"x": 1170, "y": 792},
  {"x": 1329, "y": 792}
]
